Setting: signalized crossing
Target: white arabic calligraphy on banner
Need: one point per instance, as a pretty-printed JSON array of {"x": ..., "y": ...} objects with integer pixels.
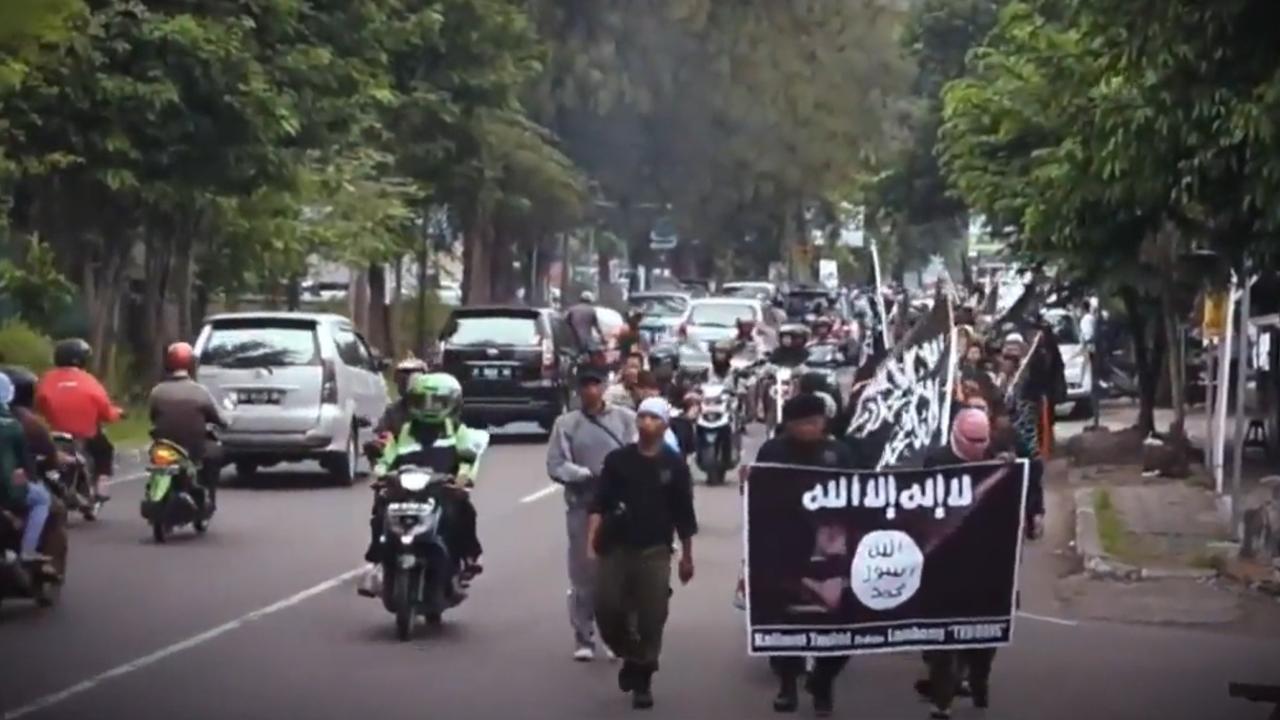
[
  {"x": 887, "y": 569},
  {"x": 882, "y": 491},
  {"x": 908, "y": 395}
]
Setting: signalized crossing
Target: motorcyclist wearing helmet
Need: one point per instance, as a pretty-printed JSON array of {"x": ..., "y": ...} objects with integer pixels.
[
  {"x": 822, "y": 326},
  {"x": 722, "y": 361},
  {"x": 45, "y": 456},
  {"x": 181, "y": 411},
  {"x": 73, "y": 401},
  {"x": 792, "y": 350},
  {"x": 20, "y": 494},
  {"x": 34, "y": 429},
  {"x": 397, "y": 413},
  {"x": 433, "y": 438},
  {"x": 584, "y": 322}
]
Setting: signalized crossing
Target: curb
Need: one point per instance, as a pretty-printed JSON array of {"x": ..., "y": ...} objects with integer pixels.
[{"x": 1098, "y": 564}]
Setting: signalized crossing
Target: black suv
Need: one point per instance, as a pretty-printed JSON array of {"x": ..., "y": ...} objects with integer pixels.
[{"x": 514, "y": 364}]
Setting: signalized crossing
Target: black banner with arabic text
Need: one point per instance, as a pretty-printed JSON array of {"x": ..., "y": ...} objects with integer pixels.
[{"x": 845, "y": 562}]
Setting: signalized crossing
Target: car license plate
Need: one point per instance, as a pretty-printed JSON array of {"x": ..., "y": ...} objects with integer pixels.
[
  {"x": 259, "y": 397},
  {"x": 493, "y": 373}
]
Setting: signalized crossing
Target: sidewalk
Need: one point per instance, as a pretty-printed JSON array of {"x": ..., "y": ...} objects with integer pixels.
[{"x": 1153, "y": 549}]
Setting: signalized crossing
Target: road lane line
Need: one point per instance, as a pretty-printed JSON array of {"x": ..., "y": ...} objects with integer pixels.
[
  {"x": 548, "y": 490},
  {"x": 126, "y": 479},
  {"x": 1046, "y": 618},
  {"x": 161, "y": 654}
]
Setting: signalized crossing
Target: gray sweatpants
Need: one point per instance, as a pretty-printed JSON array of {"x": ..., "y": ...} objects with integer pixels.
[{"x": 582, "y": 571}]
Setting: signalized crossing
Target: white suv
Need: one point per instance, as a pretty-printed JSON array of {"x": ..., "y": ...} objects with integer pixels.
[{"x": 305, "y": 386}]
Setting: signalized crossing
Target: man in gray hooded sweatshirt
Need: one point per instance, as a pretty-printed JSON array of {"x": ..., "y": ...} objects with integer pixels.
[{"x": 576, "y": 451}]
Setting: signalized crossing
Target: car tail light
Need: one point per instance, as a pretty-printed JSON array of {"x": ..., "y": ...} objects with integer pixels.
[{"x": 329, "y": 384}]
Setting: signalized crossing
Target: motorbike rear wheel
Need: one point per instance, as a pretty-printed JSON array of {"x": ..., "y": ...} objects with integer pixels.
[
  {"x": 402, "y": 599},
  {"x": 715, "y": 476},
  {"x": 159, "y": 532}
]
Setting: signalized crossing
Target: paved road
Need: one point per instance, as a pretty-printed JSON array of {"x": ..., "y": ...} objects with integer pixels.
[{"x": 259, "y": 619}]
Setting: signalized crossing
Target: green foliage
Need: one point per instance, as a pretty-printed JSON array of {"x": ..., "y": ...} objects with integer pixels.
[
  {"x": 34, "y": 284},
  {"x": 23, "y": 346}
]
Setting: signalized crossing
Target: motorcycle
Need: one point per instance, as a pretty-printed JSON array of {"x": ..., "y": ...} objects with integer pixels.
[
  {"x": 422, "y": 576},
  {"x": 718, "y": 445},
  {"x": 74, "y": 483},
  {"x": 18, "y": 579},
  {"x": 173, "y": 496}
]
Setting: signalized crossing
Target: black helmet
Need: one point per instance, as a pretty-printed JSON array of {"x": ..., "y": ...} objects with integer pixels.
[
  {"x": 73, "y": 352},
  {"x": 24, "y": 386},
  {"x": 794, "y": 335}
]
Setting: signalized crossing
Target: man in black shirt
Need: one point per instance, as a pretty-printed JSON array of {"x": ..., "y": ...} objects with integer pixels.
[
  {"x": 805, "y": 441},
  {"x": 645, "y": 498}
]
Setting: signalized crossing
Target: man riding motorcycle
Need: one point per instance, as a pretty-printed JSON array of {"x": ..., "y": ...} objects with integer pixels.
[
  {"x": 397, "y": 413},
  {"x": 20, "y": 494},
  {"x": 748, "y": 341},
  {"x": 432, "y": 438},
  {"x": 822, "y": 326},
  {"x": 73, "y": 401},
  {"x": 181, "y": 412},
  {"x": 792, "y": 350}
]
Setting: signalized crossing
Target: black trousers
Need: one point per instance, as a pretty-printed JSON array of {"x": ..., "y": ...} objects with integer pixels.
[
  {"x": 101, "y": 453},
  {"x": 948, "y": 667}
]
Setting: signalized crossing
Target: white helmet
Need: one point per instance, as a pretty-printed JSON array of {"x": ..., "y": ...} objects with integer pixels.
[{"x": 587, "y": 297}]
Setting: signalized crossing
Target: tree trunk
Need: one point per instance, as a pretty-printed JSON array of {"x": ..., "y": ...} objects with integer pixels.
[
  {"x": 477, "y": 283},
  {"x": 1147, "y": 360},
  {"x": 379, "y": 332},
  {"x": 1175, "y": 346},
  {"x": 421, "y": 320},
  {"x": 182, "y": 282}
]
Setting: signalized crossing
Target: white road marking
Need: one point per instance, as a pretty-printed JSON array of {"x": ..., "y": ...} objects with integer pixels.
[
  {"x": 127, "y": 479},
  {"x": 548, "y": 490},
  {"x": 174, "y": 649},
  {"x": 1046, "y": 618}
]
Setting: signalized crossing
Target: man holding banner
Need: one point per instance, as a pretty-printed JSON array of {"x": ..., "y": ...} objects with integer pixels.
[{"x": 804, "y": 441}]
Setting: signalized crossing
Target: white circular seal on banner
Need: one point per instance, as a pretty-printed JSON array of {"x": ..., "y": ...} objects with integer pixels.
[{"x": 886, "y": 569}]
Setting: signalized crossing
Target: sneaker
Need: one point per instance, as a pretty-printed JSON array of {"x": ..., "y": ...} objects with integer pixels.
[
  {"x": 370, "y": 584},
  {"x": 939, "y": 713},
  {"x": 584, "y": 653}
]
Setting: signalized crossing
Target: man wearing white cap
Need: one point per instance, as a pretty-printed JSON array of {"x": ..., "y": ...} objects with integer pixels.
[{"x": 645, "y": 500}]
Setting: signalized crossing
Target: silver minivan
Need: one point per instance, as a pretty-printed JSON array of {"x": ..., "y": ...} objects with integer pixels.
[{"x": 305, "y": 386}]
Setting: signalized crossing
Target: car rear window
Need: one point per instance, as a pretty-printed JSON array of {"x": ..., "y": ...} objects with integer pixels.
[
  {"x": 519, "y": 329},
  {"x": 660, "y": 305},
  {"x": 721, "y": 314},
  {"x": 261, "y": 342}
]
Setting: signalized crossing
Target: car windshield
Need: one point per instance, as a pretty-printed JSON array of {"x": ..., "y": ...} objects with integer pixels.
[
  {"x": 494, "y": 330},
  {"x": 721, "y": 314},
  {"x": 660, "y": 305},
  {"x": 1065, "y": 329},
  {"x": 755, "y": 292},
  {"x": 261, "y": 343}
]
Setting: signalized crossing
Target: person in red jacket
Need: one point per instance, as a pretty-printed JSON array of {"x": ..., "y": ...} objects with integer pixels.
[{"x": 73, "y": 401}]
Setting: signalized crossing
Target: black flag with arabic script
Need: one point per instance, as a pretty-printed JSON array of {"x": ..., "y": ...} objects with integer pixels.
[
  {"x": 842, "y": 562},
  {"x": 905, "y": 410}
]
